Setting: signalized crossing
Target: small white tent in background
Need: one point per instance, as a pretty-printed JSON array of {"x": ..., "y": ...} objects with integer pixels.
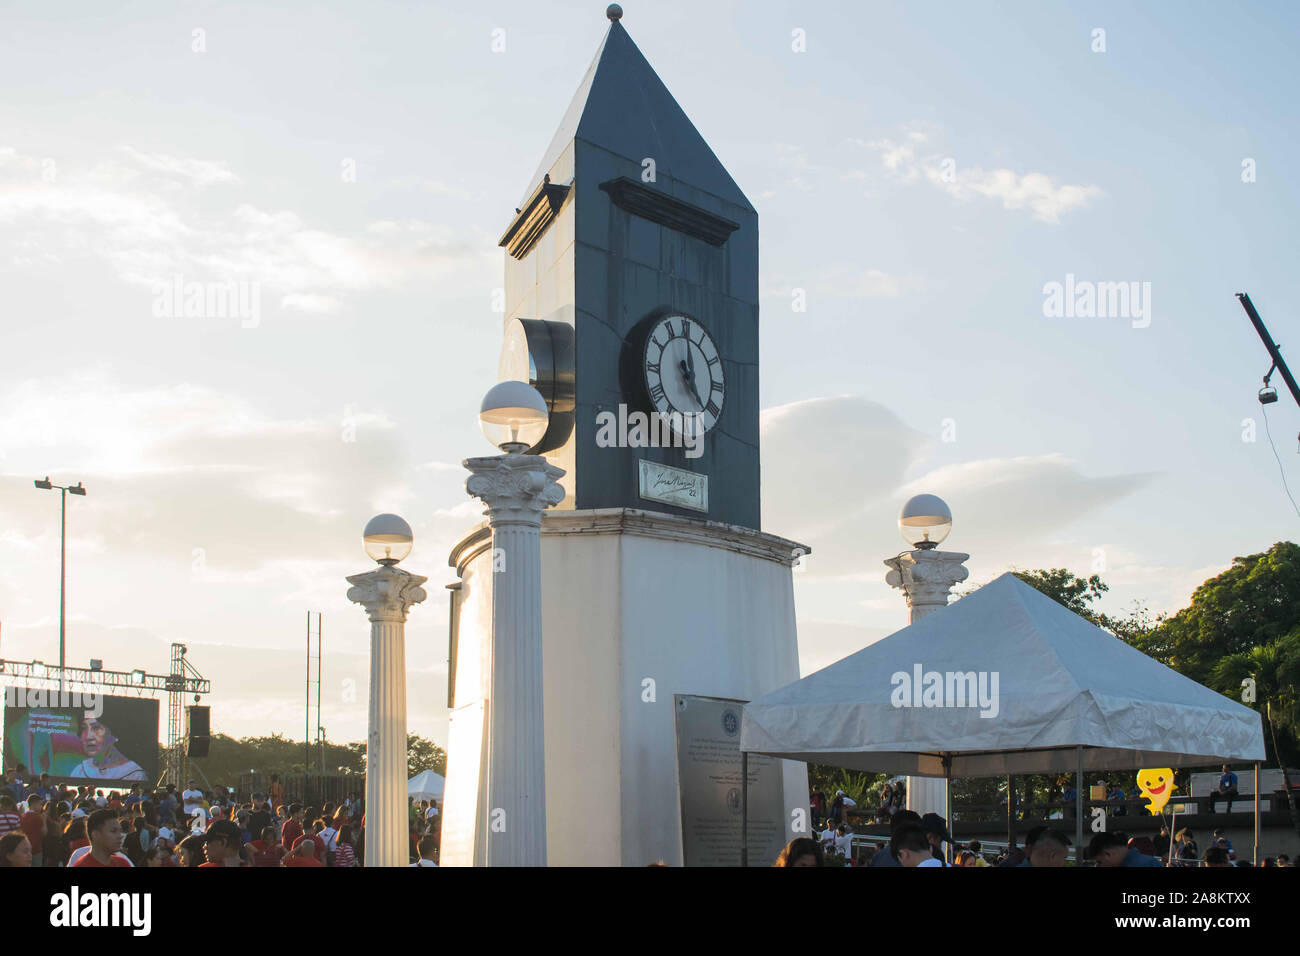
[
  {"x": 1059, "y": 694},
  {"x": 425, "y": 785}
]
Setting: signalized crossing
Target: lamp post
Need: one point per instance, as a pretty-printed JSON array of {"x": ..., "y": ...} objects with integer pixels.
[
  {"x": 77, "y": 489},
  {"x": 515, "y": 488},
  {"x": 387, "y": 593},
  {"x": 926, "y": 575}
]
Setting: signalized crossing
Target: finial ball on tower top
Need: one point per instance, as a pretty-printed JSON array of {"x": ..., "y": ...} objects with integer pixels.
[{"x": 614, "y": 11}]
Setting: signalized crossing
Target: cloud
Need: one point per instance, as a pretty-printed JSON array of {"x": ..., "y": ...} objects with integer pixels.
[
  {"x": 177, "y": 468},
  {"x": 827, "y": 459},
  {"x": 909, "y": 159},
  {"x": 800, "y": 173},
  {"x": 1002, "y": 503},
  {"x": 200, "y": 172},
  {"x": 153, "y": 217},
  {"x": 835, "y": 474},
  {"x": 258, "y": 690},
  {"x": 218, "y": 525},
  {"x": 1039, "y": 193}
]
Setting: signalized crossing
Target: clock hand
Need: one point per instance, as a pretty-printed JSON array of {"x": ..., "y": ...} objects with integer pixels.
[{"x": 689, "y": 378}]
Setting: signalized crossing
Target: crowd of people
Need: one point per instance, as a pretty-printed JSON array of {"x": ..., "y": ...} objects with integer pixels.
[
  {"x": 45, "y": 825},
  {"x": 917, "y": 840}
]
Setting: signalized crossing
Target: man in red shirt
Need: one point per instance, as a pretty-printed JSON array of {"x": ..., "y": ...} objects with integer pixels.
[
  {"x": 304, "y": 854},
  {"x": 105, "y": 832},
  {"x": 292, "y": 828},
  {"x": 34, "y": 823}
]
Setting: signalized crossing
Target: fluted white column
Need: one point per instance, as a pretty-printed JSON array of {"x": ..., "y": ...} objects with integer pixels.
[
  {"x": 387, "y": 593},
  {"x": 516, "y": 489},
  {"x": 926, "y": 576}
]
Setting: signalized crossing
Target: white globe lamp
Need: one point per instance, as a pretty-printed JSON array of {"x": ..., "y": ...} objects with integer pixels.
[
  {"x": 387, "y": 539},
  {"x": 925, "y": 521},
  {"x": 513, "y": 416}
]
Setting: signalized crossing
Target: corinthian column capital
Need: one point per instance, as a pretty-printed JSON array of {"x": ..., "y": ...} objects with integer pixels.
[
  {"x": 387, "y": 593},
  {"x": 514, "y": 488},
  {"x": 926, "y": 577}
]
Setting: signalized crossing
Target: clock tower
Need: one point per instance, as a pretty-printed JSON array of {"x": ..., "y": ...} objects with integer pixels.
[
  {"x": 632, "y": 306},
  {"x": 632, "y": 303}
]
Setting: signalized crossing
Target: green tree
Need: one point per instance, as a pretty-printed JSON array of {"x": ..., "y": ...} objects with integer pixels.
[
  {"x": 1080, "y": 594},
  {"x": 1068, "y": 590},
  {"x": 863, "y": 788},
  {"x": 1254, "y": 602},
  {"x": 1273, "y": 670},
  {"x": 424, "y": 754},
  {"x": 228, "y": 757},
  {"x": 421, "y": 754}
]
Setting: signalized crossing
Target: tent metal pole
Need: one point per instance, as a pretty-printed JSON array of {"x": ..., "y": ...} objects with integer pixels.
[
  {"x": 744, "y": 808},
  {"x": 1173, "y": 828},
  {"x": 947, "y": 806},
  {"x": 1011, "y": 811},
  {"x": 1078, "y": 805},
  {"x": 1255, "y": 861}
]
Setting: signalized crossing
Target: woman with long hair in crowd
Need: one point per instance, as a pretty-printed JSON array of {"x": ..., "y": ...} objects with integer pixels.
[
  {"x": 345, "y": 853},
  {"x": 75, "y": 834},
  {"x": 801, "y": 851},
  {"x": 15, "y": 850},
  {"x": 190, "y": 850},
  {"x": 55, "y": 848}
]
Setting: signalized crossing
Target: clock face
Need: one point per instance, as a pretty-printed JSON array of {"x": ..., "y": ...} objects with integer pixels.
[{"x": 683, "y": 373}]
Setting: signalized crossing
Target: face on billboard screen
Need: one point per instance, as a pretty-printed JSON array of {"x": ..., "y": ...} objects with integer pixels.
[{"x": 80, "y": 738}]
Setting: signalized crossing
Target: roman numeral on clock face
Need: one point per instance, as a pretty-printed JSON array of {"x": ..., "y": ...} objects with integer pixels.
[
  {"x": 713, "y": 409},
  {"x": 657, "y": 393}
]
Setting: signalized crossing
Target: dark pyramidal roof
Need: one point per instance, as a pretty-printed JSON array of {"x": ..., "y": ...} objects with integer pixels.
[{"x": 622, "y": 106}]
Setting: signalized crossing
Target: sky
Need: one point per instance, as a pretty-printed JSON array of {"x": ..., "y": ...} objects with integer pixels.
[{"x": 923, "y": 174}]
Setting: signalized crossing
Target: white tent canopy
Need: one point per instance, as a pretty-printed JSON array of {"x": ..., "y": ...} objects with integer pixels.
[
  {"x": 1061, "y": 683},
  {"x": 425, "y": 785}
]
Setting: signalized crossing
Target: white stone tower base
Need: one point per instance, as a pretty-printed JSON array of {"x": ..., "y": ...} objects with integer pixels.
[{"x": 636, "y": 607}]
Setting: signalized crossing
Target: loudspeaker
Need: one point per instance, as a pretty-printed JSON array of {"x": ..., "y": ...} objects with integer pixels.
[{"x": 198, "y": 719}]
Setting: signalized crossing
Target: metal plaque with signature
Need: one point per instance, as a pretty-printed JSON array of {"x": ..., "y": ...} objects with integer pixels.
[{"x": 674, "y": 486}]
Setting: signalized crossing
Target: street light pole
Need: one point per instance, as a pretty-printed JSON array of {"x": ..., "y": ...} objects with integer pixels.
[
  {"x": 387, "y": 593},
  {"x": 515, "y": 488},
  {"x": 63, "y": 577},
  {"x": 77, "y": 489}
]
